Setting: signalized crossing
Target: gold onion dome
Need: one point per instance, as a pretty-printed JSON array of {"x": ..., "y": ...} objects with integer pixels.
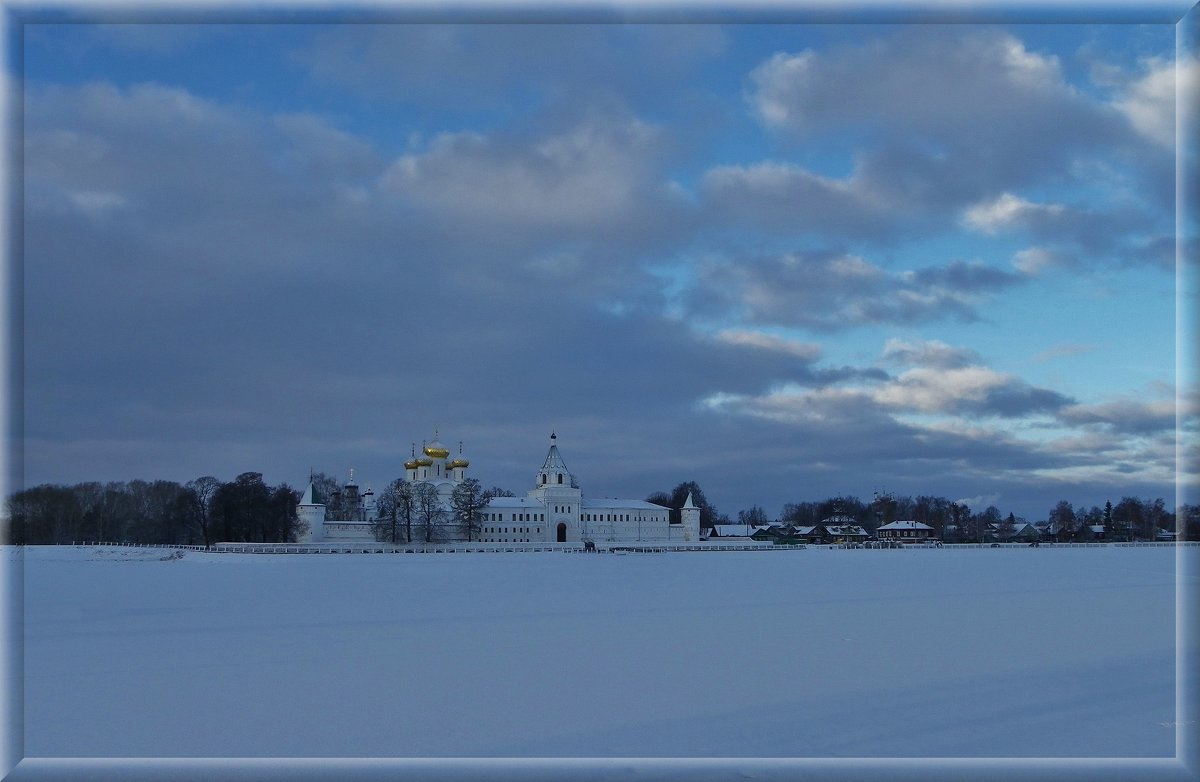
[
  {"x": 459, "y": 461},
  {"x": 412, "y": 464},
  {"x": 436, "y": 450},
  {"x": 423, "y": 461}
]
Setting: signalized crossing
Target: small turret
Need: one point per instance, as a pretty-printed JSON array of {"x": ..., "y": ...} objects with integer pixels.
[
  {"x": 689, "y": 517},
  {"x": 311, "y": 511}
]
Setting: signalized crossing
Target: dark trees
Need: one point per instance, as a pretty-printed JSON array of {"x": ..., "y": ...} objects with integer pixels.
[
  {"x": 395, "y": 507},
  {"x": 204, "y": 490},
  {"x": 755, "y": 516},
  {"x": 44, "y": 514},
  {"x": 678, "y": 496},
  {"x": 248, "y": 511},
  {"x": 1062, "y": 520}
]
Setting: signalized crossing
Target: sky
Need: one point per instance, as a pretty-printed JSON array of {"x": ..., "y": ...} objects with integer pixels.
[{"x": 785, "y": 261}]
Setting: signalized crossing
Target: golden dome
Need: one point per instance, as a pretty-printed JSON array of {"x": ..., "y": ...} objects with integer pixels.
[
  {"x": 423, "y": 462},
  {"x": 411, "y": 464},
  {"x": 436, "y": 450},
  {"x": 459, "y": 462}
]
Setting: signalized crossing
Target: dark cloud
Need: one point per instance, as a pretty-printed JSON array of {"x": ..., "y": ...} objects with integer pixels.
[
  {"x": 975, "y": 87},
  {"x": 1128, "y": 416},
  {"x": 964, "y": 277},
  {"x": 834, "y": 291},
  {"x": 468, "y": 68},
  {"x": 944, "y": 118}
]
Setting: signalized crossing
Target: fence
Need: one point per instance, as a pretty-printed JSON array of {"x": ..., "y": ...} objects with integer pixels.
[
  {"x": 466, "y": 548},
  {"x": 448, "y": 548},
  {"x": 185, "y": 546}
]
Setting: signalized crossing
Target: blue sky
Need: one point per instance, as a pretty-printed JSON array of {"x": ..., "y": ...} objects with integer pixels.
[{"x": 785, "y": 261}]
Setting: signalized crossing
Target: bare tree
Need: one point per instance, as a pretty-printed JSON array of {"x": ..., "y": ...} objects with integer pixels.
[
  {"x": 1062, "y": 520},
  {"x": 429, "y": 511},
  {"x": 466, "y": 501},
  {"x": 396, "y": 507},
  {"x": 205, "y": 489}
]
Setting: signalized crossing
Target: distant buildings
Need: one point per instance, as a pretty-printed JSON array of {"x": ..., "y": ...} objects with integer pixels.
[{"x": 553, "y": 511}]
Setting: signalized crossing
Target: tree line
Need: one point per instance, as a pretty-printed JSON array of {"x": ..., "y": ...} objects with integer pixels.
[
  {"x": 1132, "y": 518},
  {"x": 199, "y": 512},
  {"x": 207, "y": 510}
]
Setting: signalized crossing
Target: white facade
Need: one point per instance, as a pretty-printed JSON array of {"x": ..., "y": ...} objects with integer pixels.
[{"x": 554, "y": 511}]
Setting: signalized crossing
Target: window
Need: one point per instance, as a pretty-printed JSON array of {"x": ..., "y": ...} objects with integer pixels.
[{"x": 560, "y": 477}]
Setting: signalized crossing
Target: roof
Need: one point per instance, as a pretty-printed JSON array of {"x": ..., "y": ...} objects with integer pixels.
[
  {"x": 514, "y": 502},
  {"x": 735, "y": 530},
  {"x": 604, "y": 502},
  {"x": 906, "y": 525},
  {"x": 844, "y": 529},
  {"x": 311, "y": 496},
  {"x": 553, "y": 459},
  {"x": 783, "y": 530}
]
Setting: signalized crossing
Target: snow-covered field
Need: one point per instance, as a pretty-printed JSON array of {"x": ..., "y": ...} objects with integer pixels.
[{"x": 1004, "y": 653}]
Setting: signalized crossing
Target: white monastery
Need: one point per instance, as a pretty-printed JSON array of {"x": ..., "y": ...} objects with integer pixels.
[{"x": 553, "y": 511}]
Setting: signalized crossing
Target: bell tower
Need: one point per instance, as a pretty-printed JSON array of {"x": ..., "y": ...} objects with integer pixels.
[{"x": 555, "y": 487}]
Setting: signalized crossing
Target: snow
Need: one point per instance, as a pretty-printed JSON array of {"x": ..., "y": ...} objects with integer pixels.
[{"x": 1050, "y": 652}]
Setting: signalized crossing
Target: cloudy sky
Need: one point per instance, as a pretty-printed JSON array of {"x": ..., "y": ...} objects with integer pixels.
[{"x": 784, "y": 261}]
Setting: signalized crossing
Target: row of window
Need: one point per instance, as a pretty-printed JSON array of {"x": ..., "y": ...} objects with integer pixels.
[
  {"x": 425, "y": 471},
  {"x": 505, "y": 530},
  {"x": 614, "y": 517},
  {"x": 515, "y": 517}
]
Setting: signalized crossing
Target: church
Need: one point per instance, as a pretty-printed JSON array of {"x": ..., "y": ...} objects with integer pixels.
[{"x": 553, "y": 511}]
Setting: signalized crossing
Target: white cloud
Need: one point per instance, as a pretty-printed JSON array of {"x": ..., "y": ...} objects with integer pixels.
[
  {"x": 1033, "y": 261},
  {"x": 1149, "y": 102},
  {"x": 940, "y": 390},
  {"x": 1063, "y": 350},
  {"x": 931, "y": 353},
  {"x": 97, "y": 204},
  {"x": 805, "y": 351},
  {"x": 1006, "y": 212}
]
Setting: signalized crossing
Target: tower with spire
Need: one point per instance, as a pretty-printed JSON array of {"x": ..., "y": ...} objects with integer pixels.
[
  {"x": 311, "y": 512},
  {"x": 689, "y": 518},
  {"x": 555, "y": 488}
]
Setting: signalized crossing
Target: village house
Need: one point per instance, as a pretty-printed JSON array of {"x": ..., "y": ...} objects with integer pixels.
[{"x": 906, "y": 532}]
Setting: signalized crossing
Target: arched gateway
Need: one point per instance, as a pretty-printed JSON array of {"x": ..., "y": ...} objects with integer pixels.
[{"x": 562, "y": 532}]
